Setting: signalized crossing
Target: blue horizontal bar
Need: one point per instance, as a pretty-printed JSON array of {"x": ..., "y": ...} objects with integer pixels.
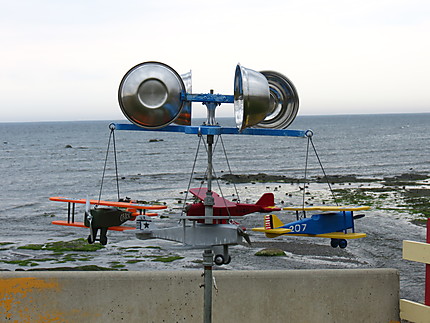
[
  {"x": 216, "y": 98},
  {"x": 215, "y": 130}
]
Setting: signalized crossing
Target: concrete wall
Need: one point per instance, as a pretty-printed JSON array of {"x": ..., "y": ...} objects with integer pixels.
[{"x": 175, "y": 296}]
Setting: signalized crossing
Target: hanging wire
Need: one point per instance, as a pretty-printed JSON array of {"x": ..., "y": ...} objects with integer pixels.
[
  {"x": 222, "y": 194},
  {"x": 116, "y": 164},
  {"x": 111, "y": 137},
  {"x": 325, "y": 175},
  {"x": 192, "y": 172},
  {"x": 215, "y": 176},
  {"x": 104, "y": 168},
  {"x": 229, "y": 169},
  {"x": 306, "y": 170}
]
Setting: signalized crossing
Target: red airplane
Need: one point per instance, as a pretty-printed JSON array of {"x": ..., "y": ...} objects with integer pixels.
[{"x": 223, "y": 207}]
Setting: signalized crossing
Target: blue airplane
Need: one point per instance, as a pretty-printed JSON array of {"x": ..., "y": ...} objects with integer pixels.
[{"x": 334, "y": 223}]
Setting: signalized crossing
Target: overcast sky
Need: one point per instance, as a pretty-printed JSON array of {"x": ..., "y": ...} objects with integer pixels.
[{"x": 64, "y": 60}]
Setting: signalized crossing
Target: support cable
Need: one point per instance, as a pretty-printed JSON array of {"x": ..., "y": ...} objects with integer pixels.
[
  {"x": 222, "y": 194},
  {"x": 229, "y": 169},
  {"x": 306, "y": 170},
  {"x": 216, "y": 177},
  {"x": 116, "y": 163},
  {"x": 111, "y": 138},
  {"x": 325, "y": 175},
  {"x": 192, "y": 172}
]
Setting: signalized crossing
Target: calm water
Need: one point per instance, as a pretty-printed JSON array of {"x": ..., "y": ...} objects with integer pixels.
[
  {"x": 35, "y": 163},
  {"x": 39, "y": 160}
]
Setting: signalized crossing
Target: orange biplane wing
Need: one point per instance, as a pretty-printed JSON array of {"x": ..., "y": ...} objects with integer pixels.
[
  {"x": 82, "y": 225},
  {"x": 129, "y": 205}
]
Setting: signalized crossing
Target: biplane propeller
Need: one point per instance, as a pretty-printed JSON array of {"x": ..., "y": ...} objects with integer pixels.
[
  {"x": 110, "y": 216},
  {"x": 334, "y": 223},
  {"x": 88, "y": 217}
]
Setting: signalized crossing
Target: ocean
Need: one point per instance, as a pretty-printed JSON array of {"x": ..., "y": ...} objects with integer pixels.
[{"x": 44, "y": 159}]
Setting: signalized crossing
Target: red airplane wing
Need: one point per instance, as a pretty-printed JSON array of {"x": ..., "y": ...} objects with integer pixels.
[{"x": 219, "y": 201}]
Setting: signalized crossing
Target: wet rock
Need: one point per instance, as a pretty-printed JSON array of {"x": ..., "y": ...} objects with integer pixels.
[
  {"x": 76, "y": 268},
  {"x": 257, "y": 178},
  {"x": 270, "y": 253},
  {"x": 408, "y": 177},
  {"x": 405, "y": 179}
]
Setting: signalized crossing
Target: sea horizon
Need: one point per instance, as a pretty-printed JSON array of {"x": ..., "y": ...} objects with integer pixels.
[{"x": 224, "y": 117}]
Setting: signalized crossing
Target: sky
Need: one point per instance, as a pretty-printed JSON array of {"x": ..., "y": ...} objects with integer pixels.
[{"x": 64, "y": 60}]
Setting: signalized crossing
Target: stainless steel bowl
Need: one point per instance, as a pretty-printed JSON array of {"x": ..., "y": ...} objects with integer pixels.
[
  {"x": 184, "y": 117},
  {"x": 150, "y": 95},
  {"x": 284, "y": 102},
  {"x": 251, "y": 97}
]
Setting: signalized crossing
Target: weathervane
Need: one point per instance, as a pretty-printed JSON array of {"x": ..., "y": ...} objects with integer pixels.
[{"x": 152, "y": 95}]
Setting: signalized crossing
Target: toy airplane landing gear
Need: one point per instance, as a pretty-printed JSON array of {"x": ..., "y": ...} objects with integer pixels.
[
  {"x": 341, "y": 243},
  {"x": 93, "y": 236},
  {"x": 221, "y": 255},
  {"x": 220, "y": 260}
]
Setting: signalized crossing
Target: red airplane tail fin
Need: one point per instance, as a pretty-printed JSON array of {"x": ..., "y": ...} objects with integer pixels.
[{"x": 267, "y": 199}]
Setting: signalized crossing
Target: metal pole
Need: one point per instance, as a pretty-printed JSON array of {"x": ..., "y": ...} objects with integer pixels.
[
  {"x": 209, "y": 203},
  {"x": 427, "y": 282},
  {"x": 207, "y": 264},
  {"x": 209, "y": 200}
]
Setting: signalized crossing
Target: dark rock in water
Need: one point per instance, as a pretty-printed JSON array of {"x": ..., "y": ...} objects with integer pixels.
[
  {"x": 77, "y": 268},
  {"x": 417, "y": 192},
  {"x": 333, "y": 179},
  {"x": 266, "y": 178},
  {"x": 155, "y": 140},
  {"x": 257, "y": 178},
  {"x": 407, "y": 177},
  {"x": 68, "y": 146}
]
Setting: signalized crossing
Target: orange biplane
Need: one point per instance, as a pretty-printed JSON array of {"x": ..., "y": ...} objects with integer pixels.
[{"x": 109, "y": 217}]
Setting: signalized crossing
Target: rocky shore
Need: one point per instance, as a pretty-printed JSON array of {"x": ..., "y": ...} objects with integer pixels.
[
  {"x": 409, "y": 191},
  {"x": 398, "y": 204},
  {"x": 403, "y": 179}
]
